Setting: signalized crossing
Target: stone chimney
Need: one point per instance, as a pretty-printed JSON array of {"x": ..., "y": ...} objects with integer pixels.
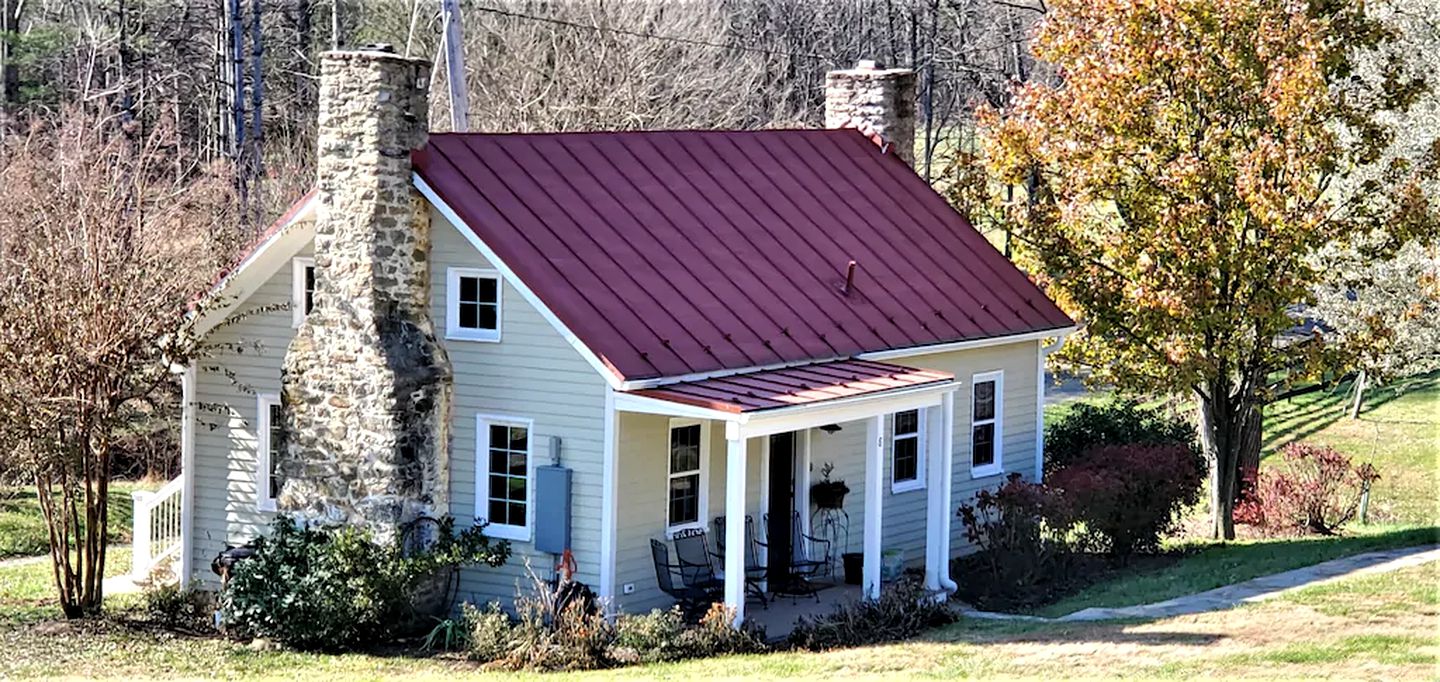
[
  {"x": 366, "y": 386},
  {"x": 878, "y": 102}
]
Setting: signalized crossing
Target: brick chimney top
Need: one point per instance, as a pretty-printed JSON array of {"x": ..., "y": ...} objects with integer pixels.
[{"x": 876, "y": 101}]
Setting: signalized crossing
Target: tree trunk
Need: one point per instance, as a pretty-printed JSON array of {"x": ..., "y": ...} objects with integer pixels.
[
  {"x": 1223, "y": 422},
  {"x": 1360, "y": 382}
]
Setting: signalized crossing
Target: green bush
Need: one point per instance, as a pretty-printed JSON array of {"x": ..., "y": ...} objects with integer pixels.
[
  {"x": 337, "y": 588},
  {"x": 170, "y": 606},
  {"x": 1118, "y": 421},
  {"x": 903, "y": 610},
  {"x": 651, "y": 637}
]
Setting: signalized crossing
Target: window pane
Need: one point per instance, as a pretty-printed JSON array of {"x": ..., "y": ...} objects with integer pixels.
[
  {"x": 517, "y": 464},
  {"x": 309, "y": 288},
  {"x": 907, "y": 422},
  {"x": 488, "y": 290},
  {"x": 469, "y": 289},
  {"x": 685, "y": 449},
  {"x": 684, "y": 499},
  {"x": 487, "y": 317},
  {"x": 498, "y": 485},
  {"x": 497, "y": 512},
  {"x": 517, "y": 514},
  {"x": 519, "y": 438},
  {"x": 469, "y": 316},
  {"x": 984, "y": 400},
  {"x": 983, "y": 445},
  {"x": 907, "y": 459},
  {"x": 499, "y": 460},
  {"x": 517, "y": 490}
]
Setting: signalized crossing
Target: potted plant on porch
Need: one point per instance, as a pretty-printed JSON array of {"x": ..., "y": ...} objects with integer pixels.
[{"x": 828, "y": 494}]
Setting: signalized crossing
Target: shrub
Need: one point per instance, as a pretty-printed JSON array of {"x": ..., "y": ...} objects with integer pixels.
[
  {"x": 330, "y": 588},
  {"x": 170, "y": 606},
  {"x": 1019, "y": 534},
  {"x": 1114, "y": 422},
  {"x": 903, "y": 610},
  {"x": 1313, "y": 489},
  {"x": 1130, "y": 496},
  {"x": 652, "y": 637}
]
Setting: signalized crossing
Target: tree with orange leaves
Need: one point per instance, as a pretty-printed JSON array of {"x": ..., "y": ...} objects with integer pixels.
[{"x": 1189, "y": 162}]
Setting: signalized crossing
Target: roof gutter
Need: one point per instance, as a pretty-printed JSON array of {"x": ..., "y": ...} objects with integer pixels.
[{"x": 970, "y": 344}]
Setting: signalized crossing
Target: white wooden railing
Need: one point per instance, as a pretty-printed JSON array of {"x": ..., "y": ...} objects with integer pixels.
[{"x": 158, "y": 529}]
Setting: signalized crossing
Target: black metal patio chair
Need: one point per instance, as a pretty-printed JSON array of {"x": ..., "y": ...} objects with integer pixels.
[
  {"x": 755, "y": 571},
  {"x": 693, "y": 600},
  {"x": 809, "y": 558}
]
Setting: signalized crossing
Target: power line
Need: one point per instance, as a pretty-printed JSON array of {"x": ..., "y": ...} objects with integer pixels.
[{"x": 642, "y": 34}]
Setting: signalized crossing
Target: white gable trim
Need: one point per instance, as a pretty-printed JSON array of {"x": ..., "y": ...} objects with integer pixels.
[
  {"x": 514, "y": 280},
  {"x": 967, "y": 345},
  {"x": 267, "y": 259}
]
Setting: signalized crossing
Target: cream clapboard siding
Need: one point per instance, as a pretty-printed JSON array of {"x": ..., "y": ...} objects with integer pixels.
[
  {"x": 532, "y": 373},
  {"x": 903, "y": 525},
  {"x": 643, "y": 458},
  {"x": 249, "y": 353}
]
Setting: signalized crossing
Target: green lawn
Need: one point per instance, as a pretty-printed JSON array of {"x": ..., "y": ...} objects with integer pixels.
[
  {"x": 1398, "y": 432},
  {"x": 22, "y": 531},
  {"x": 1380, "y": 627}
]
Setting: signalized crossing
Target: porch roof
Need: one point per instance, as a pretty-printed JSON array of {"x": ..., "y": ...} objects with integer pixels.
[{"x": 800, "y": 385}]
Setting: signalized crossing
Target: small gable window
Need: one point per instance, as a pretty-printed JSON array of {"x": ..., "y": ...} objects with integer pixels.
[
  {"x": 503, "y": 490},
  {"x": 472, "y": 306},
  {"x": 269, "y": 446},
  {"x": 303, "y": 292},
  {"x": 907, "y": 451},
  {"x": 987, "y": 411}
]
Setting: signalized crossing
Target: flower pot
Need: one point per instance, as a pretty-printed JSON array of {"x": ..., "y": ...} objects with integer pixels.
[
  {"x": 829, "y": 494},
  {"x": 854, "y": 567}
]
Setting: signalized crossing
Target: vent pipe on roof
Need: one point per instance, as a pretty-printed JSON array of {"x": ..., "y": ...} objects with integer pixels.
[
  {"x": 849, "y": 279},
  {"x": 878, "y": 102}
]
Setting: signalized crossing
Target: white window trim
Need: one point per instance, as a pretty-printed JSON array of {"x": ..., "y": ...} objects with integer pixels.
[
  {"x": 263, "y": 402},
  {"x": 998, "y": 466},
  {"x": 702, "y": 505},
  {"x": 897, "y": 486},
  {"x": 453, "y": 330},
  {"x": 297, "y": 287},
  {"x": 503, "y": 531}
]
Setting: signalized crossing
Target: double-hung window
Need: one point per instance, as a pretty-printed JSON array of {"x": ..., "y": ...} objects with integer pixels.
[
  {"x": 504, "y": 471},
  {"x": 472, "y": 306},
  {"x": 987, "y": 408},
  {"x": 269, "y": 447},
  {"x": 907, "y": 451},
  {"x": 303, "y": 290},
  {"x": 686, "y": 475}
]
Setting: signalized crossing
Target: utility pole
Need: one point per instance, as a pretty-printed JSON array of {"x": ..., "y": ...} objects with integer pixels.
[{"x": 455, "y": 67}]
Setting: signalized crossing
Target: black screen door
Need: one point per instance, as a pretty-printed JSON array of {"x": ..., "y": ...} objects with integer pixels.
[{"x": 782, "y": 503}]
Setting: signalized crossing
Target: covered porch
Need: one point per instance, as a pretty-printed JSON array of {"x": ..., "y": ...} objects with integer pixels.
[{"x": 759, "y": 433}]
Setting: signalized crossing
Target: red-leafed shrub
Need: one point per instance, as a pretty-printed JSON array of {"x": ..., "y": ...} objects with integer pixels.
[
  {"x": 1314, "y": 489},
  {"x": 1019, "y": 533},
  {"x": 1130, "y": 496}
]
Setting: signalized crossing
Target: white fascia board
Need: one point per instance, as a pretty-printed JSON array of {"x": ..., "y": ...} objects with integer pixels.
[
  {"x": 525, "y": 292},
  {"x": 258, "y": 267},
  {"x": 801, "y": 417},
  {"x": 968, "y": 345},
  {"x": 629, "y": 402}
]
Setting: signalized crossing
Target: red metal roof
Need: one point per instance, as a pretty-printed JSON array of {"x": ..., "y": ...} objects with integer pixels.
[
  {"x": 681, "y": 252},
  {"x": 800, "y": 385}
]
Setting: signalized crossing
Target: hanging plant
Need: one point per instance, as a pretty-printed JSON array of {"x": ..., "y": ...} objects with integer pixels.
[{"x": 828, "y": 494}]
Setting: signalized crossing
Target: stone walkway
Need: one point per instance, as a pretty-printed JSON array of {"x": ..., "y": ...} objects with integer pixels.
[{"x": 1255, "y": 590}]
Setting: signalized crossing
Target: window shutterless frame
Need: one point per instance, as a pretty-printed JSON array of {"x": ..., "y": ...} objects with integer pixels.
[
  {"x": 987, "y": 419},
  {"x": 486, "y": 453},
  {"x": 687, "y": 475},
  {"x": 466, "y": 312},
  {"x": 907, "y": 430},
  {"x": 267, "y": 439}
]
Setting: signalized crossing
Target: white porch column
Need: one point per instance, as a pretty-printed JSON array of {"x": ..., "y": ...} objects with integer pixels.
[
  {"x": 874, "y": 495},
  {"x": 947, "y": 503},
  {"x": 188, "y": 415},
  {"x": 735, "y": 522},
  {"x": 936, "y": 519}
]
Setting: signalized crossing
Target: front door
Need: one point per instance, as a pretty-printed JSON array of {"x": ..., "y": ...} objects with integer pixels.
[{"x": 778, "y": 531}]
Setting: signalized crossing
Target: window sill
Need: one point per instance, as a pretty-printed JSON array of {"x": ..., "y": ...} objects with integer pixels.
[
  {"x": 986, "y": 471},
  {"x": 265, "y": 505},
  {"x": 670, "y": 531},
  {"x": 512, "y": 533},
  {"x": 906, "y": 486},
  {"x": 464, "y": 336}
]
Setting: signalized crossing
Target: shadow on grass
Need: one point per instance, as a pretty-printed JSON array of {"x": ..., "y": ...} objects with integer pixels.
[
  {"x": 981, "y": 632},
  {"x": 1298, "y": 418}
]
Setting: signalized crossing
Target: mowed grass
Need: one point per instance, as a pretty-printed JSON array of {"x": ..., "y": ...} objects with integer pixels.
[
  {"x": 22, "y": 529},
  {"x": 1380, "y": 627},
  {"x": 1398, "y": 432}
]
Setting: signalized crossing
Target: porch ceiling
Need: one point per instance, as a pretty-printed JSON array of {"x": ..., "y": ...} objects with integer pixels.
[{"x": 802, "y": 385}]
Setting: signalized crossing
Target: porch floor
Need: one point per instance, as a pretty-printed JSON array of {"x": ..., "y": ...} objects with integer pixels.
[{"x": 779, "y": 617}]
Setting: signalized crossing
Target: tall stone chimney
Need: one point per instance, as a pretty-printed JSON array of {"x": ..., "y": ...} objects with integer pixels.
[
  {"x": 367, "y": 388},
  {"x": 878, "y": 102}
]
